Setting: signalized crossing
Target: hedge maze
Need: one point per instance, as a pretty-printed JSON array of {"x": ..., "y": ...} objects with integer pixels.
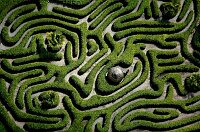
[{"x": 100, "y": 65}]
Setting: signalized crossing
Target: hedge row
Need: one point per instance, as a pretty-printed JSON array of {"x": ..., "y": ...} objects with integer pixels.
[
  {"x": 32, "y": 68},
  {"x": 154, "y": 31},
  {"x": 8, "y": 102},
  {"x": 78, "y": 13},
  {"x": 150, "y": 121},
  {"x": 74, "y": 4}
]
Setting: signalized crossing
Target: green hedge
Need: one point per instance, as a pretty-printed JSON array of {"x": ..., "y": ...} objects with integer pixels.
[{"x": 36, "y": 83}]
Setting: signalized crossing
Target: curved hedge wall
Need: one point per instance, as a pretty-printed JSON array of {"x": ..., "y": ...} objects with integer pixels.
[{"x": 56, "y": 58}]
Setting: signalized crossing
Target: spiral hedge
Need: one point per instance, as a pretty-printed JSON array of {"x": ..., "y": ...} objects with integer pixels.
[{"x": 55, "y": 57}]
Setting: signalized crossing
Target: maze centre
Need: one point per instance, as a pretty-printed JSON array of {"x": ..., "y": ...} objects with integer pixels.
[{"x": 99, "y": 65}]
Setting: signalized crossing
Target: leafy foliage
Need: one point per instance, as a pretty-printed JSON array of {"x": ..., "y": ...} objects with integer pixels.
[
  {"x": 55, "y": 58},
  {"x": 55, "y": 41},
  {"x": 49, "y": 99},
  {"x": 192, "y": 83}
]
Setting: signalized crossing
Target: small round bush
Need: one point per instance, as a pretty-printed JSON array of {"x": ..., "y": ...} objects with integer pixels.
[
  {"x": 54, "y": 41},
  {"x": 192, "y": 83},
  {"x": 169, "y": 10},
  {"x": 49, "y": 99}
]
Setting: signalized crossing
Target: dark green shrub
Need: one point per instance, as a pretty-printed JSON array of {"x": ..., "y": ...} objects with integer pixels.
[
  {"x": 49, "y": 99},
  {"x": 169, "y": 10},
  {"x": 192, "y": 83},
  {"x": 54, "y": 41}
]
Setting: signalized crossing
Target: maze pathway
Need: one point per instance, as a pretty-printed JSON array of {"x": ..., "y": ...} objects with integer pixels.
[{"x": 100, "y": 65}]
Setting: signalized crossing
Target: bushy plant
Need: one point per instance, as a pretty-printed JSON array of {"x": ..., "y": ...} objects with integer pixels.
[
  {"x": 54, "y": 41},
  {"x": 169, "y": 10},
  {"x": 192, "y": 83},
  {"x": 49, "y": 99}
]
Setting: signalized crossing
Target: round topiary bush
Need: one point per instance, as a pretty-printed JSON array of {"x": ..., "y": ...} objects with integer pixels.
[
  {"x": 192, "y": 83},
  {"x": 169, "y": 10},
  {"x": 49, "y": 99},
  {"x": 54, "y": 41}
]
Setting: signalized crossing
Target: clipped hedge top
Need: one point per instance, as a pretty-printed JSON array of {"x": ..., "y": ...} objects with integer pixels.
[{"x": 104, "y": 65}]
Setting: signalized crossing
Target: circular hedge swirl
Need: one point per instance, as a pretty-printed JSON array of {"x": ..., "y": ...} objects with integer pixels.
[{"x": 99, "y": 65}]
